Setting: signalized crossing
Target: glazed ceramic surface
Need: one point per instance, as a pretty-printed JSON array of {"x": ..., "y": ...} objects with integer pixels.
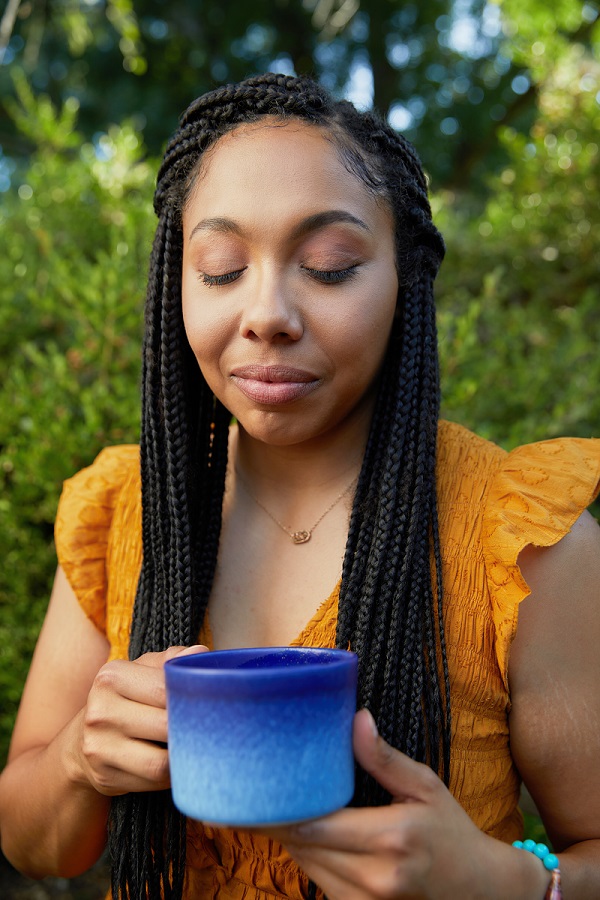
[{"x": 261, "y": 736}]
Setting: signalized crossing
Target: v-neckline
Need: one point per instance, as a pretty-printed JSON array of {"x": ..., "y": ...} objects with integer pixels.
[{"x": 329, "y": 604}]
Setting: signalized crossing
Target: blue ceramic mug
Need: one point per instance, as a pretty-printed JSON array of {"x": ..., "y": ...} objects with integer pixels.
[{"x": 261, "y": 736}]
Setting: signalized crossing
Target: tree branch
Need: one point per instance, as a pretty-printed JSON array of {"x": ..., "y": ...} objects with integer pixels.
[{"x": 7, "y": 24}]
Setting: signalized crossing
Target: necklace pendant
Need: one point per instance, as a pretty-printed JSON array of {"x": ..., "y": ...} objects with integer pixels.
[{"x": 300, "y": 537}]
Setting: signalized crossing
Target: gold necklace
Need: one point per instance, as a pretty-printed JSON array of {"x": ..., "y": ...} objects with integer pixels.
[{"x": 298, "y": 537}]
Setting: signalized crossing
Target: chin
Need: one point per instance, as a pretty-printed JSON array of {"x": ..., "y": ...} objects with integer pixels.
[{"x": 273, "y": 429}]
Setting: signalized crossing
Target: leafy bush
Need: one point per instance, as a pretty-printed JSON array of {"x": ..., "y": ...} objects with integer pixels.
[
  {"x": 517, "y": 297},
  {"x": 76, "y": 233},
  {"x": 518, "y": 293}
]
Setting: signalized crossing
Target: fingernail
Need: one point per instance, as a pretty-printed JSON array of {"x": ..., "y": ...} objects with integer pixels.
[
  {"x": 372, "y": 722},
  {"x": 196, "y": 648},
  {"x": 302, "y": 830}
]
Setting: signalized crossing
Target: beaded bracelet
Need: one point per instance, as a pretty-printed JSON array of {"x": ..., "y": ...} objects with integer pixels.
[{"x": 550, "y": 861}]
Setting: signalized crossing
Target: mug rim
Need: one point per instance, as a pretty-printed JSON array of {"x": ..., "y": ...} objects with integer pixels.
[{"x": 325, "y": 659}]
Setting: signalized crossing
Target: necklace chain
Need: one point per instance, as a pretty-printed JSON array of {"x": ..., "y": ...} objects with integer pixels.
[{"x": 303, "y": 536}]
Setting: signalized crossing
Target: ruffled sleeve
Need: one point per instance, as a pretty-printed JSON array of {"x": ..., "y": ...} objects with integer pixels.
[
  {"x": 83, "y": 523},
  {"x": 537, "y": 494}
]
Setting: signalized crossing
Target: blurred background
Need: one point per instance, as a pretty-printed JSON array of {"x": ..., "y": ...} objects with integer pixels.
[{"x": 502, "y": 100}]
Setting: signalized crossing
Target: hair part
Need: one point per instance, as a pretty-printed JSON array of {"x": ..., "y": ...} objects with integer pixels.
[{"x": 391, "y": 600}]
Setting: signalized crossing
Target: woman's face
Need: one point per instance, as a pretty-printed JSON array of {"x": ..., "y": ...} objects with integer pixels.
[{"x": 289, "y": 282}]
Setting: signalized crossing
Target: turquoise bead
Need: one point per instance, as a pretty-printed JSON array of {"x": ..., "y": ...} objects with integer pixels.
[{"x": 542, "y": 852}]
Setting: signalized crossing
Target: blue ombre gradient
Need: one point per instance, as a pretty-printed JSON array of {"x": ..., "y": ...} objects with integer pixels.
[{"x": 261, "y": 736}]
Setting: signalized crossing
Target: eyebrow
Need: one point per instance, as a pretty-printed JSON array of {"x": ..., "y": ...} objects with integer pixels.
[
  {"x": 223, "y": 225},
  {"x": 330, "y": 217}
]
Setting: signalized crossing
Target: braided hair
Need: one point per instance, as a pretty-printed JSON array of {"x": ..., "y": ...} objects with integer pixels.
[{"x": 390, "y": 606}]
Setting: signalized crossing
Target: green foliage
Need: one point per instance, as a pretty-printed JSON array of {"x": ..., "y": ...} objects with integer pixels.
[
  {"x": 534, "y": 830},
  {"x": 518, "y": 293},
  {"x": 39, "y": 120},
  {"x": 450, "y": 72},
  {"x": 517, "y": 298},
  {"x": 76, "y": 238}
]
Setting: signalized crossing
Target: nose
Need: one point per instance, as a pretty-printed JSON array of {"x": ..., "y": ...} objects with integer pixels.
[{"x": 270, "y": 311}]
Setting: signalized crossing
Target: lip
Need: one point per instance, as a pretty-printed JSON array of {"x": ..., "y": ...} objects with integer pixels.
[{"x": 273, "y": 385}]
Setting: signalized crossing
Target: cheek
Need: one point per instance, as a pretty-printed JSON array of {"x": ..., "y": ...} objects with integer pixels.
[
  {"x": 206, "y": 328},
  {"x": 357, "y": 349},
  {"x": 367, "y": 326}
]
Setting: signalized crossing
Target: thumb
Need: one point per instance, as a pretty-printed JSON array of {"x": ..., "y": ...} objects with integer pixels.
[{"x": 400, "y": 775}]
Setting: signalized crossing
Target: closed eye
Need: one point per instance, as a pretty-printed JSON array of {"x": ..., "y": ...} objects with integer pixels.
[
  {"x": 332, "y": 276},
  {"x": 218, "y": 280}
]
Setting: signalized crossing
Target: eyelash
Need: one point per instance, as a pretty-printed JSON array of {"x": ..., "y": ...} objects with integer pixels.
[
  {"x": 324, "y": 276},
  {"x": 218, "y": 280},
  {"x": 332, "y": 276}
]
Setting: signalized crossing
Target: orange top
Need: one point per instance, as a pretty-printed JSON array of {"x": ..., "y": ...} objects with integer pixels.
[{"x": 491, "y": 505}]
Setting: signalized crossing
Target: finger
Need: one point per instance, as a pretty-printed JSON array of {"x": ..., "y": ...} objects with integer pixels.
[
  {"x": 332, "y": 885},
  {"x": 121, "y": 767},
  {"x": 134, "y": 681},
  {"x": 157, "y": 660},
  {"x": 327, "y": 874},
  {"x": 404, "y": 778},
  {"x": 344, "y": 875},
  {"x": 357, "y": 831},
  {"x": 188, "y": 651},
  {"x": 141, "y": 680},
  {"x": 122, "y": 716}
]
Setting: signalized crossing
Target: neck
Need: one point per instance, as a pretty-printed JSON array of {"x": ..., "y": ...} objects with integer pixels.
[{"x": 325, "y": 462}]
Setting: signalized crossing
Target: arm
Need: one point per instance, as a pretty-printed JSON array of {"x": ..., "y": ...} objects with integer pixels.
[
  {"x": 424, "y": 845},
  {"x": 43, "y": 800},
  {"x": 86, "y": 730},
  {"x": 555, "y": 686}
]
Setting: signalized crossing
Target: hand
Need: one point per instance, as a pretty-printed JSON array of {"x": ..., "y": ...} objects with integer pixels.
[
  {"x": 123, "y": 727},
  {"x": 424, "y": 845}
]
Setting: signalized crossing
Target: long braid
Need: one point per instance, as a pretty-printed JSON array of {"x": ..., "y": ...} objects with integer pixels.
[
  {"x": 179, "y": 550},
  {"x": 391, "y": 603}
]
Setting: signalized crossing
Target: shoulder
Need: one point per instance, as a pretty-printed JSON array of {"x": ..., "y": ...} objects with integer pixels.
[
  {"x": 88, "y": 499},
  {"x": 541, "y": 486},
  {"x": 554, "y": 672},
  {"x": 497, "y": 506},
  {"x": 85, "y": 516},
  {"x": 466, "y": 463},
  {"x": 531, "y": 495},
  {"x": 561, "y": 612},
  {"x": 106, "y": 475}
]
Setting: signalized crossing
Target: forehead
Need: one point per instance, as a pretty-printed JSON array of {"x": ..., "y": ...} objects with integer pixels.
[{"x": 277, "y": 163}]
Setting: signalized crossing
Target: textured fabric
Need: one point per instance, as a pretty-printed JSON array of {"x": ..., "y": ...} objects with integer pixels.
[{"x": 492, "y": 504}]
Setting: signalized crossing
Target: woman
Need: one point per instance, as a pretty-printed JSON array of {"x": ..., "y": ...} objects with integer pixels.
[{"x": 291, "y": 289}]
